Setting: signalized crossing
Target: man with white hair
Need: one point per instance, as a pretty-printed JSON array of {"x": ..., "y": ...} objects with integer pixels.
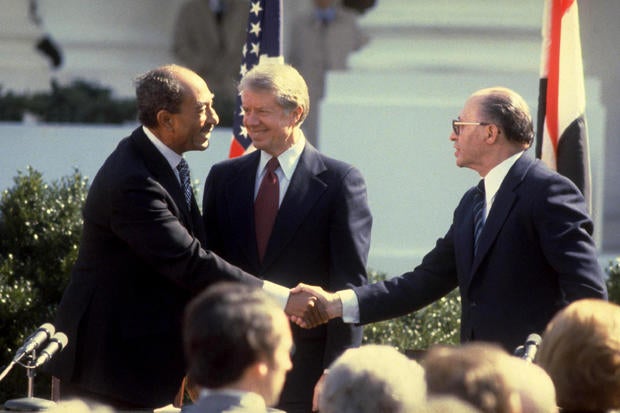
[{"x": 371, "y": 379}]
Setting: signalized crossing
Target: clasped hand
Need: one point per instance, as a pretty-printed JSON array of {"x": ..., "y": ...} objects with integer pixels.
[{"x": 310, "y": 306}]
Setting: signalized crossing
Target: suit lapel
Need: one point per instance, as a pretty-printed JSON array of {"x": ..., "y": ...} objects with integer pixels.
[
  {"x": 302, "y": 194},
  {"x": 503, "y": 204},
  {"x": 239, "y": 194},
  {"x": 159, "y": 167}
]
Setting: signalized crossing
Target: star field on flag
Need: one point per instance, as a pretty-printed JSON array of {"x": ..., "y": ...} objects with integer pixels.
[{"x": 263, "y": 41}]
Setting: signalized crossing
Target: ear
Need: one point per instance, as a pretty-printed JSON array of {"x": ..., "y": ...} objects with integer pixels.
[
  {"x": 165, "y": 119},
  {"x": 492, "y": 132},
  {"x": 261, "y": 368},
  {"x": 296, "y": 114}
]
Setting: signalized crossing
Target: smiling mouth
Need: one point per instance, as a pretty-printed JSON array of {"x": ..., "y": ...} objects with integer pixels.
[{"x": 207, "y": 130}]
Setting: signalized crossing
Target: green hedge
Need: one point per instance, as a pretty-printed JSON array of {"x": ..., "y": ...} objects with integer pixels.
[
  {"x": 79, "y": 102},
  {"x": 613, "y": 280},
  {"x": 437, "y": 323},
  {"x": 40, "y": 225}
]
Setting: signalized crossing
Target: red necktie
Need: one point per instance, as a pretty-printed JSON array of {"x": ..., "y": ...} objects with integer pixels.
[{"x": 266, "y": 206}]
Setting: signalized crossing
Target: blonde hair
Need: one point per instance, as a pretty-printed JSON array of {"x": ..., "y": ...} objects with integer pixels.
[{"x": 581, "y": 352}]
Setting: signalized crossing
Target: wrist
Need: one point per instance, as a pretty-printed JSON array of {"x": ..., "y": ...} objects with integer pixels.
[{"x": 334, "y": 306}]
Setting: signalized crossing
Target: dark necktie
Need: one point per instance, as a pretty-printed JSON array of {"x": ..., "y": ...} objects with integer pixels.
[
  {"x": 186, "y": 186},
  {"x": 479, "y": 201},
  {"x": 266, "y": 206}
]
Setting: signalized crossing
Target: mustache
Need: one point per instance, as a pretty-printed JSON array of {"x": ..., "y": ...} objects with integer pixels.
[{"x": 208, "y": 127}]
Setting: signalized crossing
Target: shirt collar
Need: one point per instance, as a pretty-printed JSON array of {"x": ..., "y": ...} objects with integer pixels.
[
  {"x": 251, "y": 401},
  {"x": 171, "y": 156},
  {"x": 496, "y": 176},
  {"x": 288, "y": 159}
]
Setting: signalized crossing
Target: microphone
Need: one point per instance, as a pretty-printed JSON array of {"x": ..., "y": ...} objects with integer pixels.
[
  {"x": 36, "y": 339},
  {"x": 56, "y": 344},
  {"x": 519, "y": 351},
  {"x": 531, "y": 347}
]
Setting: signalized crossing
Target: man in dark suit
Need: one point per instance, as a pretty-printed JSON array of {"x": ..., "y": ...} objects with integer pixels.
[
  {"x": 534, "y": 253},
  {"x": 319, "y": 221},
  {"x": 141, "y": 257},
  {"x": 239, "y": 363}
]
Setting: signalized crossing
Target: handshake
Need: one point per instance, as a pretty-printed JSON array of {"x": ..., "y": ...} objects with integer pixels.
[{"x": 310, "y": 306}]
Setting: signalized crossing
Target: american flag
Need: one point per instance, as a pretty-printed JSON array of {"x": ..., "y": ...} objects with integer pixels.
[
  {"x": 562, "y": 135},
  {"x": 263, "y": 41}
]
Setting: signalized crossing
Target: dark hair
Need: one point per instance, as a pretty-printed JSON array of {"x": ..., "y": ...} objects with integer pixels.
[
  {"x": 156, "y": 90},
  {"x": 227, "y": 328},
  {"x": 510, "y": 112}
]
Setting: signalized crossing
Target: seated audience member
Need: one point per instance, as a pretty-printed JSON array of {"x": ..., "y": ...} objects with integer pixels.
[
  {"x": 237, "y": 345},
  {"x": 581, "y": 352},
  {"x": 490, "y": 379},
  {"x": 372, "y": 379},
  {"x": 533, "y": 385}
]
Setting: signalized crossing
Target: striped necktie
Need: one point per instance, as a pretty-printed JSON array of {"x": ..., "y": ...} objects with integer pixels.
[
  {"x": 478, "y": 210},
  {"x": 186, "y": 186}
]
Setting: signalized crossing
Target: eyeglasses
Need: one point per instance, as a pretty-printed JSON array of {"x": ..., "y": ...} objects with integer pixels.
[{"x": 456, "y": 123}]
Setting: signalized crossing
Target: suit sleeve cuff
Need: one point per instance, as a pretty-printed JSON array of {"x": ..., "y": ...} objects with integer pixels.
[
  {"x": 277, "y": 292},
  {"x": 350, "y": 306}
]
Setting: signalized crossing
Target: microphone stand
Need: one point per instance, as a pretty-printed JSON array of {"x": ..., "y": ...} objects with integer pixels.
[{"x": 29, "y": 403}]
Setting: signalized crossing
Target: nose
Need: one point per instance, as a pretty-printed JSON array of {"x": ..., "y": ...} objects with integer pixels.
[{"x": 453, "y": 136}]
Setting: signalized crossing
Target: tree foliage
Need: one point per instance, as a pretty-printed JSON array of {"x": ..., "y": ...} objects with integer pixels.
[
  {"x": 78, "y": 102},
  {"x": 613, "y": 280},
  {"x": 40, "y": 225},
  {"x": 437, "y": 323}
]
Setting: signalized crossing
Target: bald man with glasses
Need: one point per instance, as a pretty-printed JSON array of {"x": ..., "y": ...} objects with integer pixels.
[{"x": 520, "y": 246}]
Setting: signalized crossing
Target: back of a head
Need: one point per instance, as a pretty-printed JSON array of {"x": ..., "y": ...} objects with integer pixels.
[
  {"x": 581, "y": 352},
  {"x": 532, "y": 384},
  {"x": 227, "y": 328},
  {"x": 474, "y": 373},
  {"x": 371, "y": 379}
]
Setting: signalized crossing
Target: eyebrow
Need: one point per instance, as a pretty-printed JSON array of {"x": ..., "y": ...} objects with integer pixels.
[{"x": 206, "y": 102}]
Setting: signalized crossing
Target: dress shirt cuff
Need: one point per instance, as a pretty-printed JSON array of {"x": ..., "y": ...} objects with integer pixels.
[
  {"x": 277, "y": 292},
  {"x": 350, "y": 306}
]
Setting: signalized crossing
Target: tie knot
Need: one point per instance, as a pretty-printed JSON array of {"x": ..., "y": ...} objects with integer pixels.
[
  {"x": 183, "y": 167},
  {"x": 481, "y": 186},
  {"x": 272, "y": 165}
]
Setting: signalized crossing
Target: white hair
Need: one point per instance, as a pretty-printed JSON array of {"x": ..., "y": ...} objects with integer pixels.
[{"x": 371, "y": 379}]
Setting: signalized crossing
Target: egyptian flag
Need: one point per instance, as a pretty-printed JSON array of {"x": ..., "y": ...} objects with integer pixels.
[
  {"x": 562, "y": 138},
  {"x": 263, "y": 41}
]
